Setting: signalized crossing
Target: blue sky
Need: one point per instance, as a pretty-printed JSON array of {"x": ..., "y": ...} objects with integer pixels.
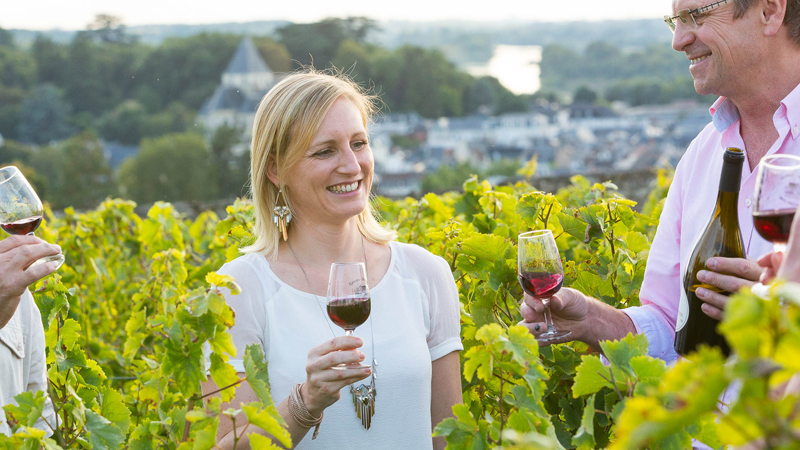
[{"x": 70, "y": 15}]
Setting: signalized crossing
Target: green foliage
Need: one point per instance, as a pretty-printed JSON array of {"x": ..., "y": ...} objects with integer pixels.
[
  {"x": 126, "y": 318},
  {"x": 175, "y": 167},
  {"x": 44, "y": 116},
  {"x": 129, "y": 122},
  {"x": 125, "y": 322},
  {"x": 652, "y": 75}
]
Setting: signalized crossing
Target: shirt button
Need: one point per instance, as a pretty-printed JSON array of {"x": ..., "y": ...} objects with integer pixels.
[
  {"x": 747, "y": 203},
  {"x": 795, "y": 129}
]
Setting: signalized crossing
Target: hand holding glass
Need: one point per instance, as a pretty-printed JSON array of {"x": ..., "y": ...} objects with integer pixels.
[
  {"x": 21, "y": 210},
  {"x": 348, "y": 300},
  {"x": 541, "y": 274},
  {"x": 776, "y": 198}
]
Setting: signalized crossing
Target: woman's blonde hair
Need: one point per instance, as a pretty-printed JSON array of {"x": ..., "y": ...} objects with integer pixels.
[{"x": 286, "y": 122}]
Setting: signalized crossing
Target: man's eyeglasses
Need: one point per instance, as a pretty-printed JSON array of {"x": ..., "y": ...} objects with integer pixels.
[{"x": 686, "y": 14}]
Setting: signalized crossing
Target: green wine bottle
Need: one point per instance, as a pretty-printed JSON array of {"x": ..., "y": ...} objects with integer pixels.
[{"x": 720, "y": 238}]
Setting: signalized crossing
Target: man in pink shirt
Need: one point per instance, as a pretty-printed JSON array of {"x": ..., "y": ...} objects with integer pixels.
[{"x": 748, "y": 53}]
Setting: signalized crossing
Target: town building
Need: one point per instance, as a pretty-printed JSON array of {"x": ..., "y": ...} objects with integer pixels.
[{"x": 234, "y": 103}]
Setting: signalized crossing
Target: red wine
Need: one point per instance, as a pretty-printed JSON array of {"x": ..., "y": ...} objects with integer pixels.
[
  {"x": 24, "y": 226},
  {"x": 349, "y": 312},
  {"x": 774, "y": 226},
  {"x": 541, "y": 285}
]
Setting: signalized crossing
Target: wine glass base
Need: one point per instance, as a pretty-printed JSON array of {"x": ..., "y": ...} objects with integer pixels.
[
  {"x": 350, "y": 366},
  {"x": 552, "y": 336},
  {"x": 57, "y": 258}
]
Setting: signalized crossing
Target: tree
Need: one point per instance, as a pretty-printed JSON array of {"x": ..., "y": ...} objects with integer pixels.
[
  {"x": 313, "y": 43},
  {"x": 17, "y": 68},
  {"x": 74, "y": 172},
  {"x": 186, "y": 69},
  {"x": 109, "y": 29},
  {"x": 125, "y": 123},
  {"x": 15, "y": 153},
  {"x": 44, "y": 116},
  {"x": 447, "y": 178},
  {"x": 174, "y": 167},
  {"x": 50, "y": 60},
  {"x": 274, "y": 53},
  {"x": 232, "y": 169},
  {"x": 584, "y": 95},
  {"x": 6, "y": 38}
]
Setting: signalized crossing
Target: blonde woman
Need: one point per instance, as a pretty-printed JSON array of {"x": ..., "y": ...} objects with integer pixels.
[{"x": 311, "y": 173}]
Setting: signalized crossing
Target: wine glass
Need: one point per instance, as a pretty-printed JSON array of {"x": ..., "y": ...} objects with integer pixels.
[
  {"x": 21, "y": 210},
  {"x": 348, "y": 300},
  {"x": 776, "y": 198},
  {"x": 541, "y": 275}
]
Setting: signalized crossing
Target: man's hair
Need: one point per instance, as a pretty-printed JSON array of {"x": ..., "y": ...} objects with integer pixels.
[{"x": 791, "y": 19}]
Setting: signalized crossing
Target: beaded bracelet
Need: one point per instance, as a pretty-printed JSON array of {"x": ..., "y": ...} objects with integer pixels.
[{"x": 300, "y": 413}]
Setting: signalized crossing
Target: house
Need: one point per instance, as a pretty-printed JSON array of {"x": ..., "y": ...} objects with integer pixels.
[{"x": 235, "y": 101}]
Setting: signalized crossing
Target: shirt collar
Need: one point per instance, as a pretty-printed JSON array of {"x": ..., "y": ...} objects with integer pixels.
[
  {"x": 791, "y": 104},
  {"x": 724, "y": 113}
]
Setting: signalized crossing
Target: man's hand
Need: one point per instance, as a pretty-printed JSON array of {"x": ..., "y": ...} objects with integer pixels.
[
  {"x": 728, "y": 274},
  {"x": 589, "y": 319},
  {"x": 568, "y": 308},
  {"x": 17, "y": 253}
]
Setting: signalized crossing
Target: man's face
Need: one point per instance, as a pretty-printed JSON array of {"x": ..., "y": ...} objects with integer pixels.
[{"x": 722, "y": 51}]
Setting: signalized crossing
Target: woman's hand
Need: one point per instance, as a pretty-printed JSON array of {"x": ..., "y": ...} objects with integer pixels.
[{"x": 323, "y": 384}]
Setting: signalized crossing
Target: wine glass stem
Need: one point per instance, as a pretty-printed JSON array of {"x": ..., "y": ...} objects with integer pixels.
[
  {"x": 779, "y": 247},
  {"x": 548, "y": 318},
  {"x": 348, "y": 332}
]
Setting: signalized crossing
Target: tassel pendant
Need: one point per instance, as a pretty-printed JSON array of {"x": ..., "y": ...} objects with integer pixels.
[
  {"x": 280, "y": 218},
  {"x": 364, "y": 403}
]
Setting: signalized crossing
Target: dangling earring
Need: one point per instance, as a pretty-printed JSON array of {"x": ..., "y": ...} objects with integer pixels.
[{"x": 281, "y": 215}]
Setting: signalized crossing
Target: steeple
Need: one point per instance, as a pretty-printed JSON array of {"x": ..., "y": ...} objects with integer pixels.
[{"x": 247, "y": 70}]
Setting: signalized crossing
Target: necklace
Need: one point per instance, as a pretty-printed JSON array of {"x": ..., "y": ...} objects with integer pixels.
[{"x": 364, "y": 395}]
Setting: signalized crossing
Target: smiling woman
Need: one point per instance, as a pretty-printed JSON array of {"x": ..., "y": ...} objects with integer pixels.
[{"x": 311, "y": 176}]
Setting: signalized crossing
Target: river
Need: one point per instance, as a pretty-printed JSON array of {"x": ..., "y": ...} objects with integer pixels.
[{"x": 515, "y": 66}]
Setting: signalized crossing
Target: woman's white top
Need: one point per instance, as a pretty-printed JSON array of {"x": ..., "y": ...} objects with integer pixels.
[{"x": 416, "y": 319}]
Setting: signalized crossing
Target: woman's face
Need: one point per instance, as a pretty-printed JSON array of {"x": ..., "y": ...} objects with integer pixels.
[{"x": 331, "y": 183}]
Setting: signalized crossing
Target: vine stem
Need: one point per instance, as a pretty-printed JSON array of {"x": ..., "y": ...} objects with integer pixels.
[
  {"x": 500, "y": 406},
  {"x": 194, "y": 397},
  {"x": 187, "y": 425},
  {"x": 613, "y": 383}
]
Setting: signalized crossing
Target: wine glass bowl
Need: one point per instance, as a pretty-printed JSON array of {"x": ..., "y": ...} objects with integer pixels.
[
  {"x": 541, "y": 274},
  {"x": 349, "y": 303},
  {"x": 777, "y": 196},
  {"x": 21, "y": 211}
]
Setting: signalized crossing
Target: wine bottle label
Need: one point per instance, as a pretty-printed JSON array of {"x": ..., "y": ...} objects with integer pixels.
[{"x": 683, "y": 309}]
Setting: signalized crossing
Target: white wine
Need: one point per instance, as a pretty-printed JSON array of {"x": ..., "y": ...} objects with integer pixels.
[{"x": 721, "y": 237}]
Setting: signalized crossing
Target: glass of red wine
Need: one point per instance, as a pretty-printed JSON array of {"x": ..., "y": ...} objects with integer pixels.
[
  {"x": 21, "y": 210},
  {"x": 348, "y": 300},
  {"x": 541, "y": 275},
  {"x": 776, "y": 198}
]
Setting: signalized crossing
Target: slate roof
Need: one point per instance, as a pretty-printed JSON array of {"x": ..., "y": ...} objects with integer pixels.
[{"x": 247, "y": 59}]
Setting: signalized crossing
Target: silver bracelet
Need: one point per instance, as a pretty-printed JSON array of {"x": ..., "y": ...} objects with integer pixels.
[{"x": 300, "y": 413}]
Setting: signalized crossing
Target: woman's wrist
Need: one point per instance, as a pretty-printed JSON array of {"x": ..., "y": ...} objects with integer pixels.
[{"x": 315, "y": 409}]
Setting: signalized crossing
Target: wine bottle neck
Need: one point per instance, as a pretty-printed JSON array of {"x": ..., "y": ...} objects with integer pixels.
[
  {"x": 731, "y": 177},
  {"x": 728, "y": 201}
]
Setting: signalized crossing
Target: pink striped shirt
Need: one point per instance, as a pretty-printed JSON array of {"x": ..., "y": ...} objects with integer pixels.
[{"x": 688, "y": 208}]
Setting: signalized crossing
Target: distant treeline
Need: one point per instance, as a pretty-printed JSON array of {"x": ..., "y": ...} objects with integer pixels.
[
  {"x": 104, "y": 79},
  {"x": 656, "y": 74}
]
